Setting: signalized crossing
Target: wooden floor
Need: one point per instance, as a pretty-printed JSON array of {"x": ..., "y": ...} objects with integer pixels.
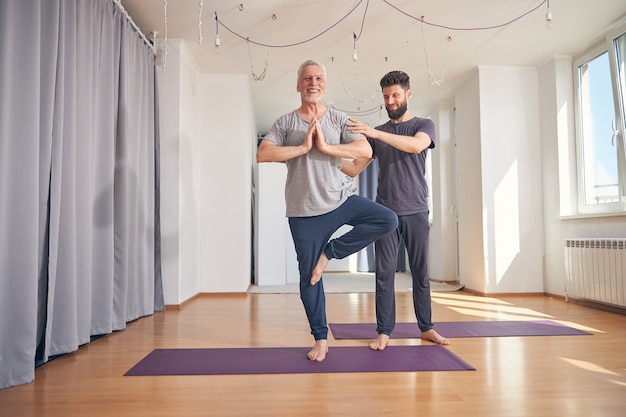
[{"x": 557, "y": 376}]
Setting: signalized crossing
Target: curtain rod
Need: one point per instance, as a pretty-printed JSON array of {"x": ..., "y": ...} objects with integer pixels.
[{"x": 150, "y": 45}]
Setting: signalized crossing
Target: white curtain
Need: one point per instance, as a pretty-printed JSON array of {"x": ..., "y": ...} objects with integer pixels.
[{"x": 79, "y": 226}]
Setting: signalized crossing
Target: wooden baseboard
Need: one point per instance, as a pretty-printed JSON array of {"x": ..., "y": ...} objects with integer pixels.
[
  {"x": 502, "y": 294},
  {"x": 441, "y": 281},
  {"x": 170, "y": 307}
]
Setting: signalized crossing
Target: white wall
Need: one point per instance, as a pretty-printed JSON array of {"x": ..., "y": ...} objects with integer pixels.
[
  {"x": 500, "y": 199},
  {"x": 224, "y": 182},
  {"x": 557, "y": 126},
  {"x": 470, "y": 233},
  {"x": 188, "y": 204},
  {"x": 275, "y": 258},
  {"x": 512, "y": 197},
  {"x": 525, "y": 115},
  {"x": 442, "y": 250},
  {"x": 169, "y": 115},
  {"x": 206, "y": 157}
]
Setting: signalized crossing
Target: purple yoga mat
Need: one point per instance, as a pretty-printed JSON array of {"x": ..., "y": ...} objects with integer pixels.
[
  {"x": 289, "y": 360},
  {"x": 459, "y": 329}
]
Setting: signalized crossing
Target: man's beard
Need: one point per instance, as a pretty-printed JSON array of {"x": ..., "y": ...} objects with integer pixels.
[
  {"x": 399, "y": 112},
  {"x": 313, "y": 100}
]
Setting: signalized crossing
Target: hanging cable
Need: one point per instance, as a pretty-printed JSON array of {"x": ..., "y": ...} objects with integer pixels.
[
  {"x": 290, "y": 44},
  {"x": 354, "y": 54},
  {"x": 359, "y": 113},
  {"x": 355, "y": 37},
  {"x": 431, "y": 78},
  {"x": 267, "y": 58},
  {"x": 247, "y": 39},
  {"x": 470, "y": 28},
  {"x": 217, "y": 35},
  {"x": 356, "y": 100}
]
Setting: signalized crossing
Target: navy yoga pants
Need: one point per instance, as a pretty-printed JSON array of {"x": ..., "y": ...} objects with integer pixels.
[{"x": 311, "y": 236}]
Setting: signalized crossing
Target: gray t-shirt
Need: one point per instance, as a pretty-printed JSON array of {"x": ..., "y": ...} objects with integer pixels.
[
  {"x": 402, "y": 183},
  {"x": 315, "y": 184}
]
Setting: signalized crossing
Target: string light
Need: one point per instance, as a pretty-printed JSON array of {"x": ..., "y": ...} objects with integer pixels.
[
  {"x": 548, "y": 15},
  {"x": 217, "y": 43},
  {"x": 247, "y": 39},
  {"x": 356, "y": 38},
  {"x": 432, "y": 79},
  {"x": 217, "y": 36},
  {"x": 354, "y": 54}
]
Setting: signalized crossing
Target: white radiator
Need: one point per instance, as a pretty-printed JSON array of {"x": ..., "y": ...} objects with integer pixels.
[{"x": 596, "y": 270}]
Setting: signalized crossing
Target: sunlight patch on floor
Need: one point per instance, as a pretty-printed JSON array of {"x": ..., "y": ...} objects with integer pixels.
[
  {"x": 622, "y": 383},
  {"x": 490, "y": 309},
  {"x": 579, "y": 326},
  {"x": 473, "y": 298},
  {"x": 588, "y": 366},
  {"x": 494, "y": 308},
  {"x": 500, "y": 315}
]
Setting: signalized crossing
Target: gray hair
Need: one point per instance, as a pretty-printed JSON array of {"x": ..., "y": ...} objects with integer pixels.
[{"x": 308, "y": 63}]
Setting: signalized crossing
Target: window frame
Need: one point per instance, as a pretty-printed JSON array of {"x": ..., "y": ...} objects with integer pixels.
[{"x": 606, "y": 45}]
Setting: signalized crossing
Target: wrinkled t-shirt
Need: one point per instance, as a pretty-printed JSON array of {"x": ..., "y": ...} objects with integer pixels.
[
  {"x": 315, "y": 184},
  {"x": 402, "y": 183}
]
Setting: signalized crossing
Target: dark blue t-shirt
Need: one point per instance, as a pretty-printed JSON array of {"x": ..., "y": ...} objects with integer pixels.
[{"x": 401, "y": 179}]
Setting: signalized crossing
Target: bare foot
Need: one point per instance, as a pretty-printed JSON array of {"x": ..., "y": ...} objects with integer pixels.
[
  {"x": 319, "y": 351},
  {"x": 432, "y": 336},
  {"x": 380, "y": 343},
  {"x": 319, "y": 269}
]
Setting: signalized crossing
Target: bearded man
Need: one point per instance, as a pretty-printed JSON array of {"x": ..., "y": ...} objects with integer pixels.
[{"x": 401, "y": 146}]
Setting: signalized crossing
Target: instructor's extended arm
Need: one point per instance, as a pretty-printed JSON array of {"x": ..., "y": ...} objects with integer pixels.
[{"x": 410, "y": 144}]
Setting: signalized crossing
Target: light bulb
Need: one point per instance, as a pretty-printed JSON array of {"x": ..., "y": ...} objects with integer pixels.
[
  {"x": 354, "y": 58},
  {"x": 217, "y": 44}
]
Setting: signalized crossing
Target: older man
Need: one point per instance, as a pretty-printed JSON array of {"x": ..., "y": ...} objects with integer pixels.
[{"x": 312, "y": 140}]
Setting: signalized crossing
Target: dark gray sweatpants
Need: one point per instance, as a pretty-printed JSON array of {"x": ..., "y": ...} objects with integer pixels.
[{"x": 414, "y": 230}]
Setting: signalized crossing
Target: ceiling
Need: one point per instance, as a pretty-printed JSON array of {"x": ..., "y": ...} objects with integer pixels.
[{"x": 269, "y": 39}]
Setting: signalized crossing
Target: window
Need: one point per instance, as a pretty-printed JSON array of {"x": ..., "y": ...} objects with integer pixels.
[{"x": 600, "y": 92}]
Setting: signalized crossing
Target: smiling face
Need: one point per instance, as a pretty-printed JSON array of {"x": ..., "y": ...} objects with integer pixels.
[
  {"x": 396, "y": 101},
  {"x": 312, "y": 83}
]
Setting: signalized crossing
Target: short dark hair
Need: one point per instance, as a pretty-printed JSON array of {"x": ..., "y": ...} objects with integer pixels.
[{"x": 395, "y": 78}]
